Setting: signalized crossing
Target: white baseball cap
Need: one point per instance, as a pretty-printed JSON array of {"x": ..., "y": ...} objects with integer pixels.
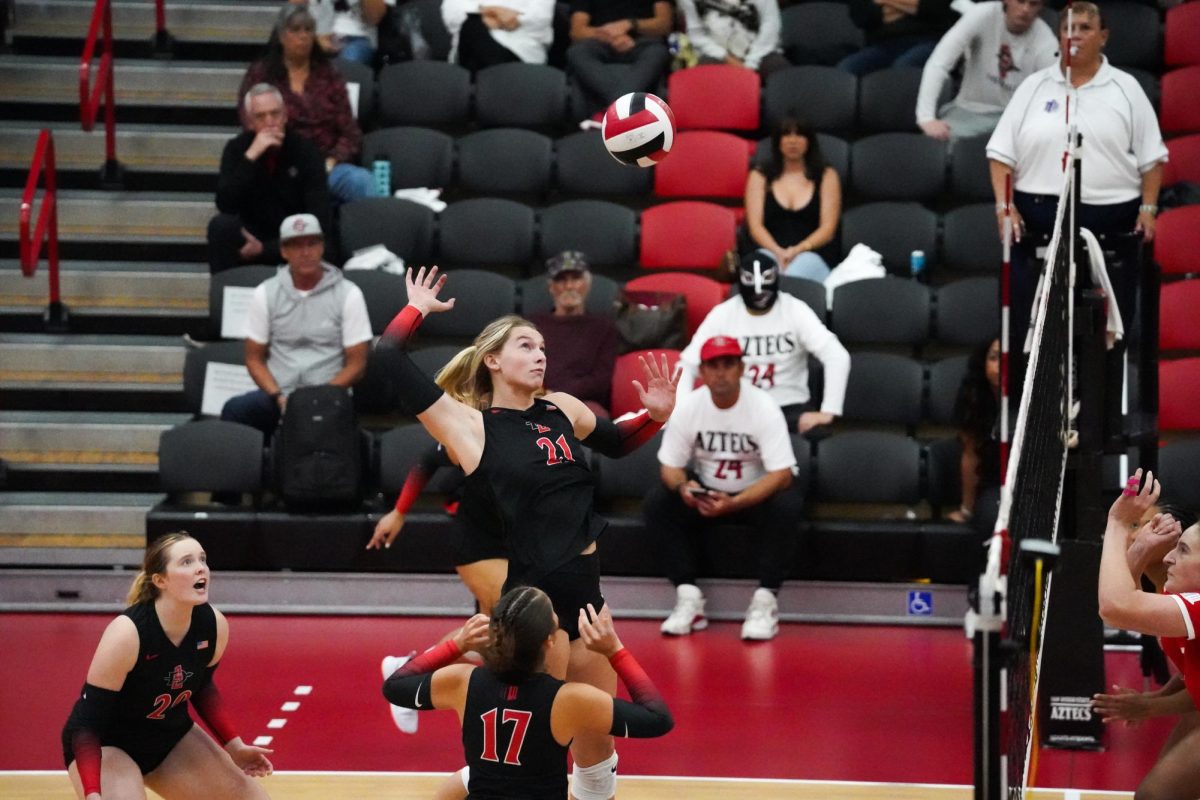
[{"x": 298, "y": 225}]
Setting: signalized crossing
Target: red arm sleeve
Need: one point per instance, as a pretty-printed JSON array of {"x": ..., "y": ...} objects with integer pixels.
[
  {"x": 648, "y": 714},
  {"x": 403, "y": 326},
  {"x": 94, "y": 710},
  {"x": 86, "y": 745},
  {"x": 622, "y": 438},
  {"x": 410, "y": 685},
  {"x": 211, "y": 707}
]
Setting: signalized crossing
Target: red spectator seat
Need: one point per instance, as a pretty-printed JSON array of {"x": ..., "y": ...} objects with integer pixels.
[
  {"x": 700, "y": 292},
  {"x": 687, "y": 235},
  {"x": 715, "y": 97},
  {"x": 1177, "y": 241},
  {"x": 1182, "y": 45},
  {"x": 704, "y": 164},
  {"x": 1178, "y": 388},
  {"x": 627, "y": 370},
  {"x": 1180, "y": 112},
  {"x": 1177, "y": 304},
  {"x": 1184, "y": 161}
]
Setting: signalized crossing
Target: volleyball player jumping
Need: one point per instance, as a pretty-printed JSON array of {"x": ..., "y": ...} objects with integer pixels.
[
  {"x": 130, "y": 728},
  {"x": 522, "y": 452}
]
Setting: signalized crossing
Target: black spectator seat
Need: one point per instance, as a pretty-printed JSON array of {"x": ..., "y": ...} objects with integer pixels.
[
  {"x": 521, "y": 95},
  {"x": 505, "y": 161},
  {"x": 383, "y": 292},
  {"x": 488, "y": 232},
  {"x": 1135, "y": 35},
  {"x": 481, "y": 296},
  {"x": 898, "y": 166},
  {"x": 432, "y": 93},
  {"x": 607, "y": 233},
  {"x": 195, "y": 367},
  {"x": 888, "y": 99},
  {"x": 825, "y": 97},
  {"x": 892, "y": 311},
  {"x": 402, "y": 226},
  {"x": 585, "y": 168},
  {"x": 894, "y": 230},
  {"x": 819, "y": 33},
  {"x": 970, "y": 178},
  {"x": 243, "y": 277},
  {"x": 1179, "y": 470},
  {"x": 420, "y": 157},
  {"x": 968, "y": 311},
  {"x": 945, "y": 378},
  {"x": 971, "y": 239},
  {"x": 364, "y": 78},
  {"x": 884, "y": 388},
  {"x": 602, "y": 299}
]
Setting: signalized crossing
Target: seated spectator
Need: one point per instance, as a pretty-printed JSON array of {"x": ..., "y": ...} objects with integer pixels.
[
  {"x": 347, "y": 28},
  {"x": 630, "y": 34},
  {"x": 581, "y": 348},
  {"x": 900, "y": 33},
  {"x": 499, "y": 33},
  {"x": 977, "y": 413},
  {"x": 777, "y": 333},
  {"x": 317, "y": 104},
  {"x": 726, "y": 458},
  {"x": 268, "y": 172},
  {"x": 306, "y": 326},
  {"x": 744, "y": 33},
  {"x": 794, "y": 202},
  {"x": 1000, "y": 44}
]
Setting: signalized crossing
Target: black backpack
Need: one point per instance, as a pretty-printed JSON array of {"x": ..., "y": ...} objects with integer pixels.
[{"x": 318, "y": 449}]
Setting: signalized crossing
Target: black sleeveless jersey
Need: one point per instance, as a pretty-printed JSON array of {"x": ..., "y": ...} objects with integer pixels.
[
  {"x": 535, "y": 473},
  {"x": 506, "y": 737},
  {"x": 154, "y": 698}
]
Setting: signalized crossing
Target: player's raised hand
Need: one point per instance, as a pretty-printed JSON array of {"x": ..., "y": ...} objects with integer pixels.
[
  {"x": 474, "y": 634},
  {"x": 1133, "y": 502},
  {"x": 423, "y": 288},
  {"x": 597, "y": 631},
  {"x": 658, "y": 394}
]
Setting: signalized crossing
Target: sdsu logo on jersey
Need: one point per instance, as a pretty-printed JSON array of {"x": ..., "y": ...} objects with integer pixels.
[
  {"x": 536, "y": 427},
  {"x": 177, "y": 678}
]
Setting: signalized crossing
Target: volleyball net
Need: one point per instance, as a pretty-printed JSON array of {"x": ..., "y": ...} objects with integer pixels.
[{"x": 1009, "y": 604}]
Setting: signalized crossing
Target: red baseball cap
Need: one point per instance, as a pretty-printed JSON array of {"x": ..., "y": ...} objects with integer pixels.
[{"x": 719, "y": 346}]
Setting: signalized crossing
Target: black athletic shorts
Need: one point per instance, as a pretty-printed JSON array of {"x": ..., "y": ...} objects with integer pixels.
[
  {"x": 570, "y": 587},
  {"x": 473, "y": 543},
  {"x": 147, "y": 750}
]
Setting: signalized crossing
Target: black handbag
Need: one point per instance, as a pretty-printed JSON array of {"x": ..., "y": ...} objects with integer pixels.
[{"x": 651, "y": 320}]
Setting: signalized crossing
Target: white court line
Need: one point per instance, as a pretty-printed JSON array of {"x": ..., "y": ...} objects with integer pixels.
[
  {"x": 262, "y": 741},
  {"x": 303, "y": 690},
  {"x": 290, "y": 705},
  {"x": 276, "y": 724}
]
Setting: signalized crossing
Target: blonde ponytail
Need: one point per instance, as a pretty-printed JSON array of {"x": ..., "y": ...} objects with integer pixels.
[
  {"x": 466, "y": 378},
  {"x": 154, "y": 562}
]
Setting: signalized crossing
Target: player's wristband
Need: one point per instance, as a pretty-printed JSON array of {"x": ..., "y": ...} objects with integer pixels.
[{"x": 403, "y": 325}]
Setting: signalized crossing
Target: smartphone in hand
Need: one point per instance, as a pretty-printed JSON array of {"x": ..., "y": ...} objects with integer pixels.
[{"x": 698, "y": 491}]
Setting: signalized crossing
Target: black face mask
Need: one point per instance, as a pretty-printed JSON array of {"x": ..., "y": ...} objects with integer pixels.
[{"x": 758, "y": 281}]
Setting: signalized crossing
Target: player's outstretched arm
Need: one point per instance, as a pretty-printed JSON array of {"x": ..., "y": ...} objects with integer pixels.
[
  {"x": 433, "y": 679},
  {"x": 647, "y": 716}
]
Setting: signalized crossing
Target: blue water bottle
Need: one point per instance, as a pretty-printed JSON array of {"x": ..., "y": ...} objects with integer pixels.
[
  {"x": 383, "y": 178},
  {"x": 916, "y": 265}
]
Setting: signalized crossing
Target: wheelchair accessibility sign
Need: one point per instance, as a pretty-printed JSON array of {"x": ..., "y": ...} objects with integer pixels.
[{"x": 920, "y": 603}]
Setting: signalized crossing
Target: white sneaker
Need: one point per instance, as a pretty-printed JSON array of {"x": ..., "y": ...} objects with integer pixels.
[
  {"x": 762, "y": 618},
  {"x": 405, "y": 718},
  {"x": 688, "y": 615}
]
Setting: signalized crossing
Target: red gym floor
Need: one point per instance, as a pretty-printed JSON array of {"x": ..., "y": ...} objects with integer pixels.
[{"x": 884, "y": 704}]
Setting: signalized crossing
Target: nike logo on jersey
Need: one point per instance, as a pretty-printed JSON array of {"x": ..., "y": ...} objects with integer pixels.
[{"x": 151, "y": 656}]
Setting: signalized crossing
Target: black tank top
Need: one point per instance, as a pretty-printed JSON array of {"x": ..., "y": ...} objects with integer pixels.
[
  {"x": 507, "y": 740},
  {"x": 156, "y": 691},
  {"x": 789, "y": 227},
  {"x": 535, "y": 474}
]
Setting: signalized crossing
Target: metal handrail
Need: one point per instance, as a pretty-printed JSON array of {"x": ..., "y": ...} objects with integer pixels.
[
  {"x": 91, "y": 97},
  {"x": 45, "y": 232}
]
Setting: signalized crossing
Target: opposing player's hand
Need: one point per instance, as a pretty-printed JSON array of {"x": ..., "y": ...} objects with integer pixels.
[
  {"x": 250, "y": 759},
  {"x": 474, "y": 634},
  {"x": 1131, "y": 505},
  {"x": 386, "y": 530},
  {"x": 1123, "y": 705},
  {"x": 423, "y": 288},
  {"x": 597, "y": 630},
  {"x": 1152, "y": 541},
  {"x": 658, "y": 395}
]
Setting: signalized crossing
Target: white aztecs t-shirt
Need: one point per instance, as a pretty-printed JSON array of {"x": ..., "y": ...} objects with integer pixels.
[
  {"x": 729, "y": 448},
  {"x": 776, "y": 347}
]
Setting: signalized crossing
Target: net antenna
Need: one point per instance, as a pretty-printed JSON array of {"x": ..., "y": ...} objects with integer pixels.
[{"x": 1008, "y": 610}]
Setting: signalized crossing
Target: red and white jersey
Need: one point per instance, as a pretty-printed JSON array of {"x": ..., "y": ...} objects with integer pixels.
[{"x": 1184, "y": 651}]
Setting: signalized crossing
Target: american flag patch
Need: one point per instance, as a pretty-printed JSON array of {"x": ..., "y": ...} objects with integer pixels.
[{"x": 202, "y": 645}]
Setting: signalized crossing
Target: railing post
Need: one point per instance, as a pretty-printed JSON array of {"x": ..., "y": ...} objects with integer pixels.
[
  {"x": 164, "y": 42},
  {"x": 111, "y": 174},
  {"x": 32, "y": 235}
]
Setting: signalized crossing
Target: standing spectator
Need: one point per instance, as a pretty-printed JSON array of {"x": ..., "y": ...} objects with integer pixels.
[
  {"x": 581, "y": 348},
  {"x": 899, "y": 33},
  {"x": 317, "y": 104},
  {"x": 498, "y": 33},
  {"x": 1123, "y": 151},
  {"x": 733, "y": 439},
  {"x": 1000, "y": 44},
  {"x": 743, "y": 33},
  {"x": 267, "y": 173},
  {"x": 618, "y": 46},
  {"x": 977, "y": 414},
  {"x": 347, "y": 28},
  {"x": 306, "y": 326},
  {"x": 794, "y": 202},
  {"x": 777, "y": 333}
]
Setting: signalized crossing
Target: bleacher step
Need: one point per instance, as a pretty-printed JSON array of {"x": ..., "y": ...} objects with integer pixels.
[
  {"x": 120, "y": 217},
  {"x": 241, "y": 21},
  {"x": 99, "y": 288},
  {"x": 140, "y": 148},
  {"x": 83, "y": 441},
  {"x": 165, "y": 84},
  {"x": 47, "y": 361},
  {"x": 73, "y": 528}
]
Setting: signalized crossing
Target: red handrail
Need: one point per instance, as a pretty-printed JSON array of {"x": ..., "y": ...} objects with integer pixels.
[
  {"x": 91, "y": 97},
  {"x": 46, "y": 229}
]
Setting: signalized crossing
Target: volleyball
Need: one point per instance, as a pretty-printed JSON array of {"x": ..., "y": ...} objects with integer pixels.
[{"x": 638, "y": 129}]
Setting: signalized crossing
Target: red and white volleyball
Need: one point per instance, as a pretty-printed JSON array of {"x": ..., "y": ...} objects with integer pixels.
[{"x": 638, "y": 129}]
